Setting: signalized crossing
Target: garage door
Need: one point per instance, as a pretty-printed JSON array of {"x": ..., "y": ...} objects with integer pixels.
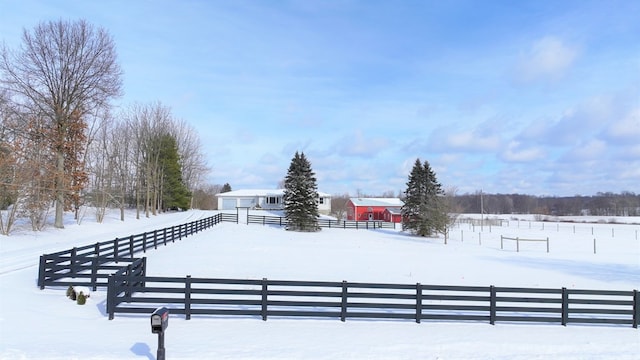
[
  {"x": 246, "y": 203},
  {"x": 228, "y": 204}
]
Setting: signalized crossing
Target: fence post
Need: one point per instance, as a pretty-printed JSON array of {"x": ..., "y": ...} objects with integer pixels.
[
  {"x": 594, "y": 245},
  {"x": 265, "y": 298},
  {"x": 343, "y": 305},
  {"x": 501, "y": 237},
  {"x": 144, "y": 243},
  {"x": 72, "y": 262},
  {"x": 111, "y": 292},
  {"x": 418, "y": 303},
  {"x": 131, "y": 246},
  {"x": 517, "y": 244},
  {"x": 636, "y": 309},
  {"x": 94, "y": 273},
  {"x": 492, "y": 305},
  {"x": 155, "y": 239},
  {"x": 187, "y": 298},
  {"x": 565, "y": 306},
  {"x": 164, "y": 236},
  {"x": 41, "y": 271},
  {"x": 129, "y": 281},
  {"x": 115, "y": 250},
  {"x": 547, "y": 244}
]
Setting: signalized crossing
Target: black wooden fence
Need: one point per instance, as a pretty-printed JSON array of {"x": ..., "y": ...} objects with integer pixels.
[
  {"x": 323, "y": 223},
  {"x": 342, "y": 300},
  {"x": 91, "y": 265},
  {"x": 129, "y": 290}
]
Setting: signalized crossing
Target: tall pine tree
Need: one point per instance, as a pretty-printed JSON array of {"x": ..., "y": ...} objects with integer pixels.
[
  {"x": 424, "y": 213},
  {"x": 300, "y": 195},
  {"x": 175, "y": 194}
]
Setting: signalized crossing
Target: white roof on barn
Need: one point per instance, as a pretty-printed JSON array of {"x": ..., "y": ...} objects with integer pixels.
[
  {"x": 377, "y": 202},
  {"x": 260, "y": 192}
]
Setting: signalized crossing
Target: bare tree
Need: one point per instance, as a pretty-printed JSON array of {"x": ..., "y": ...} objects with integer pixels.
[
  {"x": 63, "y": 71},
  {"x": 339, "y": 205},
  {"x": 193, "y": 164}
]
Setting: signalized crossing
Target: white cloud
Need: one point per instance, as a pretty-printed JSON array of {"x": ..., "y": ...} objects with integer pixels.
[
  {"x": 515, "y": 152},
  {"x": 359, "y": 145},
  {"x": 591, "y": 150},
  {"x": 547, "y": 60},
  {"x": 627, "y": 128},
  {"x": 473, "y": 141},
  {"x": 485, "y": 137}
]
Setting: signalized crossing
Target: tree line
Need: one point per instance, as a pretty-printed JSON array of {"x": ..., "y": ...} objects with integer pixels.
[
  {"x": 601, "y": 204},
  {"x": 64, "y": 145}
]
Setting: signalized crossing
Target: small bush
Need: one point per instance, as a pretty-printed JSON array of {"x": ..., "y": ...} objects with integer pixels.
[
  {"x": 69, "y": 291},
  {"x": 72, "y": 294},
  {"x": 82, "y": 299}
]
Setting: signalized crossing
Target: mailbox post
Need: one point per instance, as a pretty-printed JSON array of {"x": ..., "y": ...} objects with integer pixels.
[{"x": 159, "y": 323}]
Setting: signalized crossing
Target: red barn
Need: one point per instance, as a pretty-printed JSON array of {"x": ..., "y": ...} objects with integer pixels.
[{"x": 380, "y": 209}]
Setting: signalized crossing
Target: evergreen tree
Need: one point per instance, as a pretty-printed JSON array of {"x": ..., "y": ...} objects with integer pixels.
[
  {"x": 301, "y": 195},
  {"x": 174, "y": 192},
  {"x": 423, "y": 212},
  {"x": 226, "y": 188}
]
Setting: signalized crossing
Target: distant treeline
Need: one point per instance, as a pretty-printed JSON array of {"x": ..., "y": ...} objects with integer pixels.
[{"x": 601, "y": 204}]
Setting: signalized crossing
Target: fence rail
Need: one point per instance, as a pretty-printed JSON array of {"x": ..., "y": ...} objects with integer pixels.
[
  {"x": 265, "y": 298},
  {"x": 91, "y": 265},
  {"x": 518, "y": 240},
  {"x": 129, "y": 290},
  {"x": 323, "y": 223},
  {"x": 482, "y": 222}
]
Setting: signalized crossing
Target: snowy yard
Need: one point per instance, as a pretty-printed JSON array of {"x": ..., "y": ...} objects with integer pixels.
[{"x": 44, "y": 324}]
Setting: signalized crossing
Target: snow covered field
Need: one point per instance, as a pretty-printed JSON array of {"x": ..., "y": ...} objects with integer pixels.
[{"x": 44, "y": 324}]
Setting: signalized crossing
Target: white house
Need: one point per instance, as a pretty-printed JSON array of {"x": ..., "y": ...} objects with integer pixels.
[{"x": 264, "y": 199}]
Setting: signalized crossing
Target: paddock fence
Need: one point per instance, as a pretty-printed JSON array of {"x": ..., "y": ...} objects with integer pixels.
[
  {"x": 323, "y": 223},
  {"x": 91, "y": 265},
  {"x": 482, "y": 222},
  {"x": 518, "y": 240},
  {"x": 265, "y": 298}
]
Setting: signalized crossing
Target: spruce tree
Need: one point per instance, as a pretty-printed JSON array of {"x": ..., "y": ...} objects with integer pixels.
[
  {"x": 423, "y": 212},
  {"x": 300, "y": 195},
  {"x": 174, "y": 192}
]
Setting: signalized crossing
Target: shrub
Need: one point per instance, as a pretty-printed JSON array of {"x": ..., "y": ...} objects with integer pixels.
[
  {"x": 72, "y": 294},
  {"x": 69, "y": 291},
  {"x": 82, "y": 299}
]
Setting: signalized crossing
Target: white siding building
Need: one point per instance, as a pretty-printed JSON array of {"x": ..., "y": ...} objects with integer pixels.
[{"x": 264, "y": 199}]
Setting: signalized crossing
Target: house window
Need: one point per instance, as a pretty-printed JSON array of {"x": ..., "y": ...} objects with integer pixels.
[
  {"x": 273, "y": 200},
  {"x": 321, "y": 200}
]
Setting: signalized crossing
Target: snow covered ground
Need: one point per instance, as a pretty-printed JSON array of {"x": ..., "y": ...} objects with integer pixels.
[{"x": 44, "y": 324}]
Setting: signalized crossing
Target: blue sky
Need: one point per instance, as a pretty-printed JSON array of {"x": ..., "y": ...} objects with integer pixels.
[{"x": 535, "y": 97}]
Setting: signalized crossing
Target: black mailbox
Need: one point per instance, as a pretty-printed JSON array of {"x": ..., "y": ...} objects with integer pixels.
[{"x": 159, "y": 320}]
